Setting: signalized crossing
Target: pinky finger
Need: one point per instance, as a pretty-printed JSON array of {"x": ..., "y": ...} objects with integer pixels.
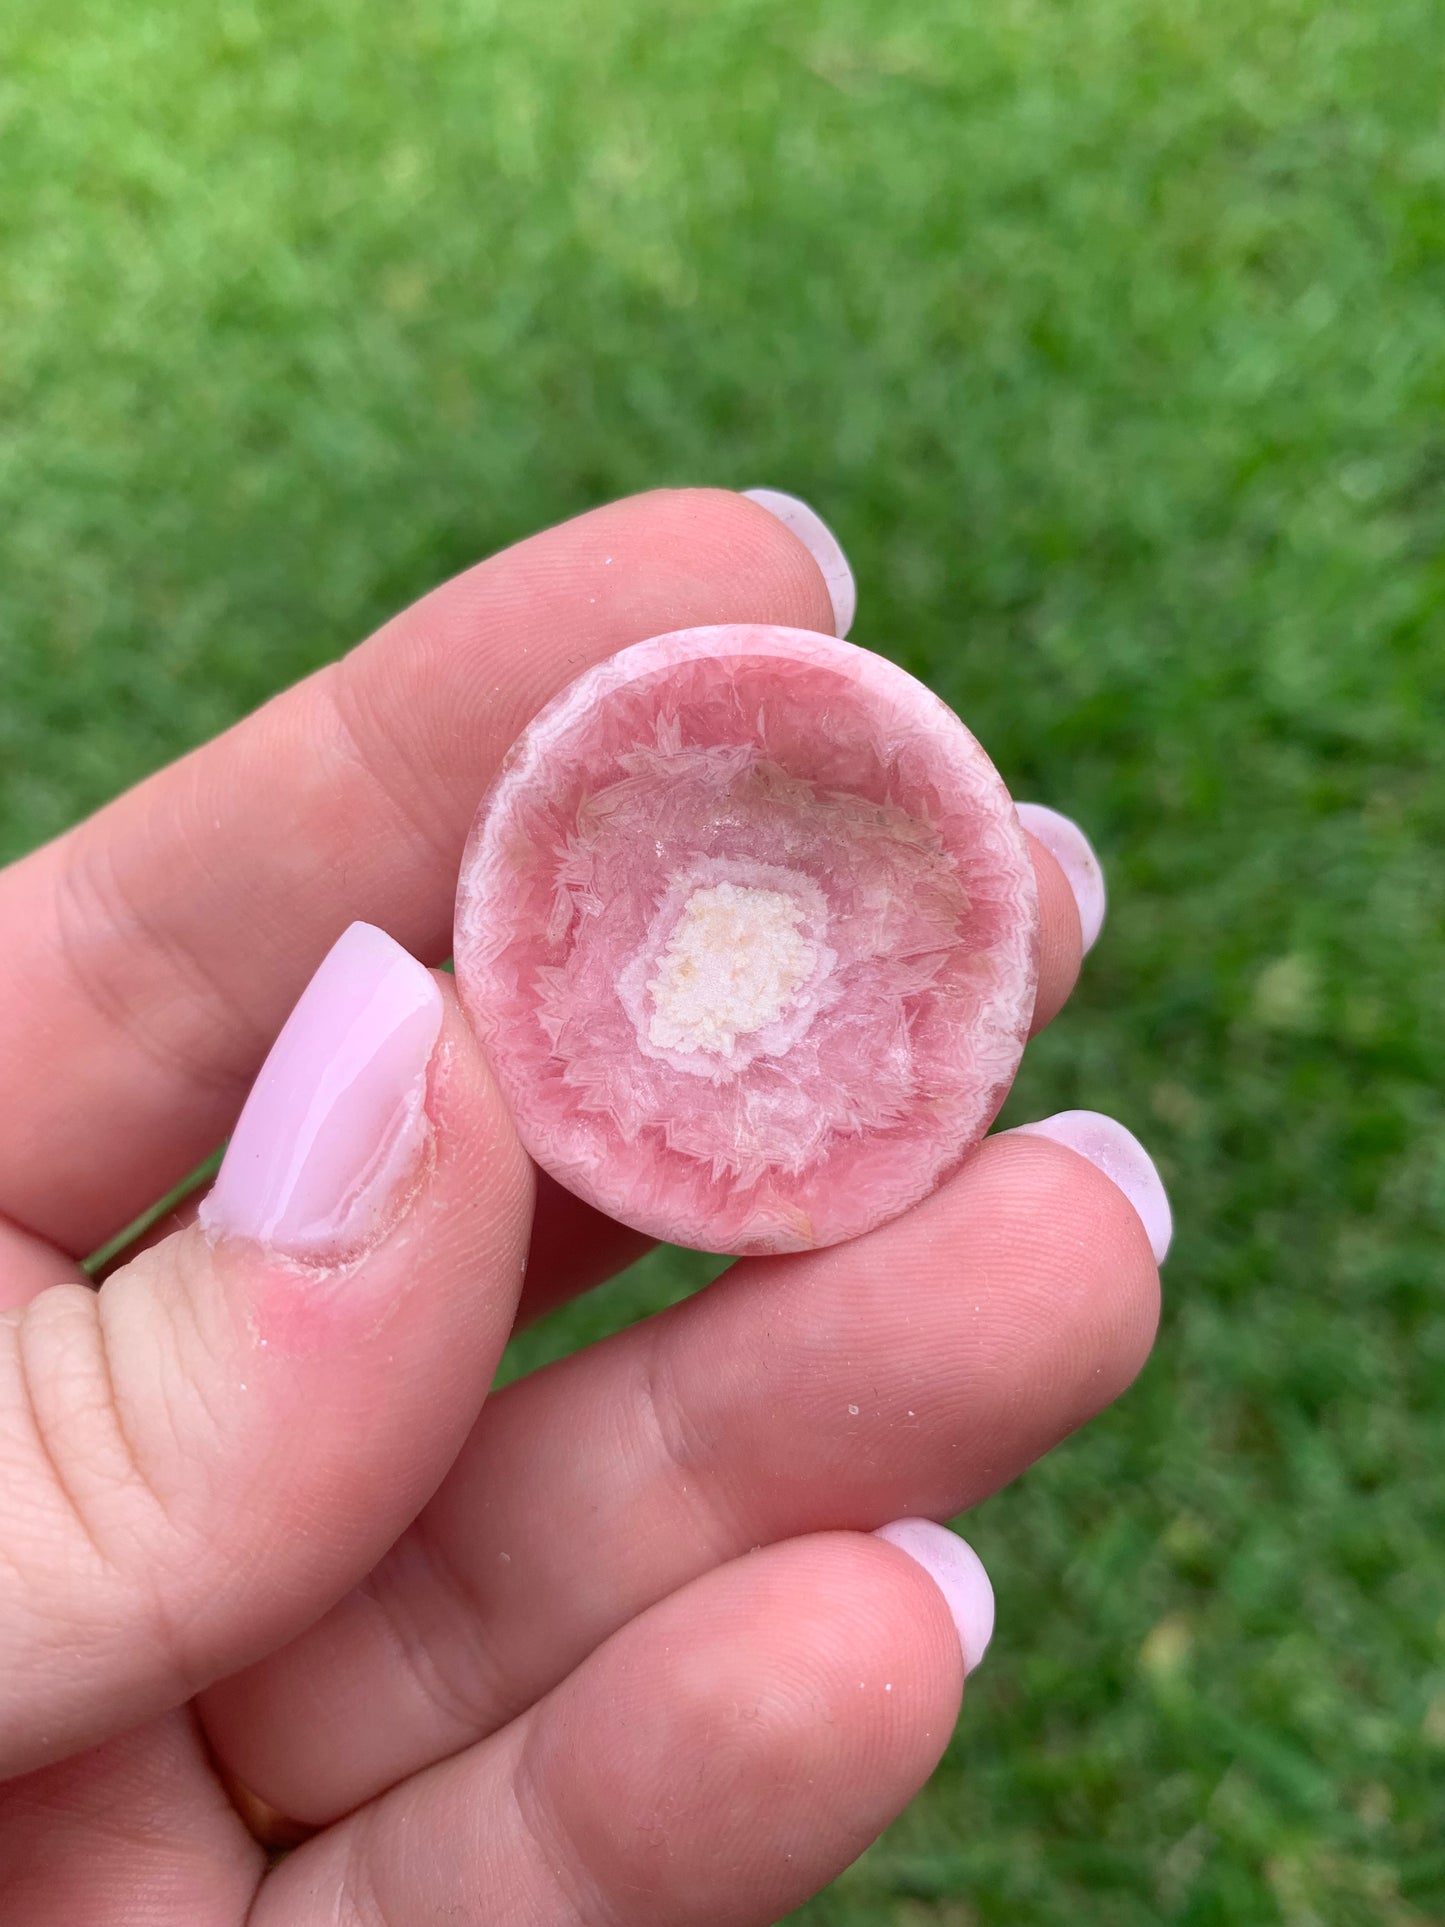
[{"x": 712, "y": 1765}]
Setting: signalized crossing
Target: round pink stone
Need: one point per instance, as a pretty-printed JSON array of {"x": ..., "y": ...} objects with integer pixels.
[{"x": 748, "y": 927}]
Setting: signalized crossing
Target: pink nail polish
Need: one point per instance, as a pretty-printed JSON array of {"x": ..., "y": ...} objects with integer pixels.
[
  {"x": 336, "y": 1118},
  {"x": 1122, "y": 1158},
  {"x": 824, "y": 547},
  {"x": 956, "y": 1569},
  {"x": 1074, "y": 854}
]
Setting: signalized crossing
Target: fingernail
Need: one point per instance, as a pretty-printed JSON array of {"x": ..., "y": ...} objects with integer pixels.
[
  {"x": 1121, "y": 1157},
  {"x": 821, "y": 543},
  {"x": 336, "y": 1118},
  {"x": 956, "y": 1569},
  {"x": 1074, "y": 854}
]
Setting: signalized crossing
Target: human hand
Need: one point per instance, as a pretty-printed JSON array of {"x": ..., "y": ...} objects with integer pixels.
[{"x": 266, "y": 1548}]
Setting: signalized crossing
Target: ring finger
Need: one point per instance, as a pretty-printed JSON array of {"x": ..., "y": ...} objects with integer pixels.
[
  {"x": 715, "y": 1763},
  {"x": 913, "y": 1371}
]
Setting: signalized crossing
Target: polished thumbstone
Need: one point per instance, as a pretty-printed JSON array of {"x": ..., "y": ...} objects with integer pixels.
[{"x": 748, "y": 927}]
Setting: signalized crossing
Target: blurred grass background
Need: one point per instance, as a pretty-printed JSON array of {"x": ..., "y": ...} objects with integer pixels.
[{"x": 1109, "y": 335}]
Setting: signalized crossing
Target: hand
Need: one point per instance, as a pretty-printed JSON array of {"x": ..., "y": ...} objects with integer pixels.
[{"x": 265, "y": 1549}]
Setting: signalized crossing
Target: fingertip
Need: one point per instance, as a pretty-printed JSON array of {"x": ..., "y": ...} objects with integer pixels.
[
  {"x": 801, "y": 519},
  {"x": 730, "y": 563},
  {"x": 1113, "y": 1149},
  {"x": 336, "y": 1120},
  {"x": 1077, "y": 860},
  {"x": 1061, "y": 948},
  {"x": 958, "y": 1572}
]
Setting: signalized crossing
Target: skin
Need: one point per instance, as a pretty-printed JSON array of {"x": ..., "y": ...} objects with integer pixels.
[{"x": 517, "y": 1661}]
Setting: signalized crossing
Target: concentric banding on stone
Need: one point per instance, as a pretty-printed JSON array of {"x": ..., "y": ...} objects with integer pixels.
[{"x": 748, "y": 926}]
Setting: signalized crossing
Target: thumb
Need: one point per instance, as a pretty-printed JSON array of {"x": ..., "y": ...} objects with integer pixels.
[{"x": 201, "y": 1457}]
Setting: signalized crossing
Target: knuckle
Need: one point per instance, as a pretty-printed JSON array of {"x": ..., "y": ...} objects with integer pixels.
[
  {"x": 68, "y": 1424},
  {"x": 435, "y": 1614},
  {"x": 170, "y": 1019},
  {"x": 694, "y": 1773},
  {"x": 563, "y": 1861},
  {"x": 360, "y": 1899},
  {"x": 681, "y": 1455},
  {"x": 98, "y": 1445}
]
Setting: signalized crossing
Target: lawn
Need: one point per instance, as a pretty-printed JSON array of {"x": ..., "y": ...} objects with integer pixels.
[{"x": 1110, "y": 334}]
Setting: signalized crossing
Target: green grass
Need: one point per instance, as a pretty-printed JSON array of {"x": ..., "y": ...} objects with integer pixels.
[{"x": 1109, "y": 334}]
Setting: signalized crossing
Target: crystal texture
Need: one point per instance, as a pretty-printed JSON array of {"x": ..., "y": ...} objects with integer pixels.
[{"x": 748, "y": 927}]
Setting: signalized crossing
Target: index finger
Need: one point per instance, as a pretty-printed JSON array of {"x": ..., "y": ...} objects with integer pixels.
[{"x": 153, "y": 951}]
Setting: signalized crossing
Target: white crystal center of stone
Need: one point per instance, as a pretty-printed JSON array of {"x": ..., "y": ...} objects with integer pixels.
[{"x": 734, "y": 963}]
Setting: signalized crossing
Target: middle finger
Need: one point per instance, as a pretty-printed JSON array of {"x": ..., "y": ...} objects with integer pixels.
[{"x": 573, "y": 1246}]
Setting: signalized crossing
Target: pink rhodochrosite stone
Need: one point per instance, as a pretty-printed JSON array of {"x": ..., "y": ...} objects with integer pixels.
[{"x": 748, "y": 927}]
